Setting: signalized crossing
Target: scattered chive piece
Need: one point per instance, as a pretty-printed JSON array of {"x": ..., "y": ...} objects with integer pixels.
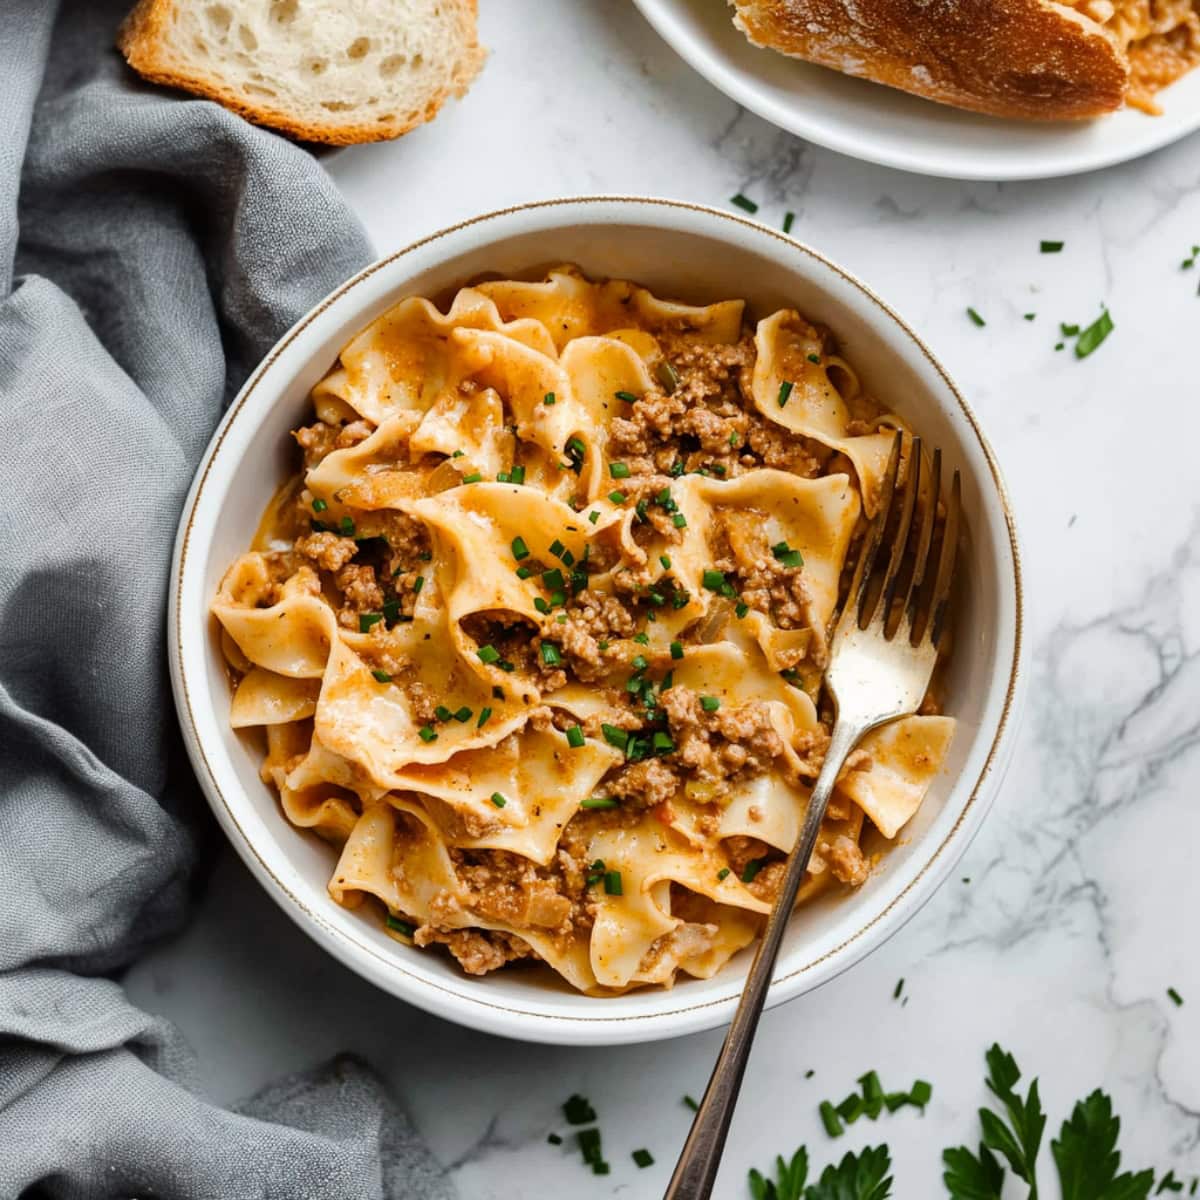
[
  {"x": 895, "y": 1100},
  {"x": 713, "y": 580},
  {"x": 488, "y": 654},
  {"x": 679, "y": 521},
  {"x": 518, "y": 474},
  {"x": 399, "y": 926},
  {"x": 319, "y": 505},
  {"x": 557, "y": 548},
  {"x": 464, "y": 714},
  {"x": 577, "y": 1110},
  {"x": 831, "y": 1120},
  {"x": 418, "y": 584},
  {"x": 752, "y": 868},
  {"x": 576, "y": 450},
  {"x": 741, "y": 610},
  {"x": 600, "y": 802},
  {"x": 920, "y": 1093},
  {"x": 786, "y": 555},
  {"x": 1030, "y": 316},
  {"x": 1176, "y": 998},
  {"x": 554, "y": 1139},
  {"x": 391, "y": 610},
  {"x": 474, "y": 477},
  {"x": 744, "y": 203},
  {"x": 346, "y": 525},
  {"x": 785, "y": 390},
  {"x": 709, "y": 703},
  {"x": 612, "y": 883},
  {"x": 814, "y": 358},
  {"x": 553, "y": 579},
  {"x": 976, "y": 318},
  {"x": 639, "y": 663},
  {"x": 628, "y": 397},
  {"x": 899, "y": 988},
  {"x": 498, "y": 800},
  {"x": 382, "y": 676},
  {"x": 666, "y": 562},
  {"x": 550, "y": 654},
  {"x": 1068, "y": 330},
  {"x": 523, "y": 572},
  {"x": 734, "y": 438},
  {"x": 426, "y": 733},
  {"x": 691, "y": 1104},
  {"x": 872, "y": 1093},
  {"x": 575, "y": 737},
  {"x": 722, "y": 874},
  {"x": 1052, "y": 247},
  {"x": 677, "y": 650},
  {"x": 615, "y": 737},
  {"x": 503, "y": 477},
  {"x": 662, "y": 743},
  {"x": 1060, "y": 346},
  {"x": 366, "y": 620},
  {"x": 616, "y": 497},
  {"x": 457, "y": 454},
  {"x": 443, "y": 713},
  {"x": 519, "y": 549},
  {"x": 851, "y": 1108},
  {"x": 788, "y": 218},
  {"x": 425, "y": 556},
  {"x": 809, "y": 1073},
  {"x": 548, "y": 398},
  {"x": 602, "y": 644},
  {"x": 667, "y": 376},
  {"x": 1094, "y": 334},
  {"x": 643, "y": 1158},
  {"x": 485, "y": 715},
  {"x": 619, "y": 470}
]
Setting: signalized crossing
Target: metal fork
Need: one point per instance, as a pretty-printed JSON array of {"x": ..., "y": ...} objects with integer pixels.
[{"x": 881, "y": 657}]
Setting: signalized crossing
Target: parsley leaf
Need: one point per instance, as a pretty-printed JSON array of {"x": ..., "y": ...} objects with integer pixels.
[
  {"x": 862, "y": 1176},
  {"x": 1019, "y": 1141},
  {"x": 790, "y": 1178},
  {"x": 1087, "y": 1157},
  {"x": 971, "y": 1178}
]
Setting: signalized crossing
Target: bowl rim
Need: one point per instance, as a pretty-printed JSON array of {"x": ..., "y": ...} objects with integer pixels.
[{"x": 508, "y": 1018}]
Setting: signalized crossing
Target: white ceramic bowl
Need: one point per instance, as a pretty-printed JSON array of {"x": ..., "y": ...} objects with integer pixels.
[{"x": 680, "y": 250}]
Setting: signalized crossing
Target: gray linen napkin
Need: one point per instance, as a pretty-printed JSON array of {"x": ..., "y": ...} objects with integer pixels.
[{"x": 152, "y": 247}]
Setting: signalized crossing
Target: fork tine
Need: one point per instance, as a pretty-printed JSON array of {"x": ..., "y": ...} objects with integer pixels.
[
  {"x": 946, "y": 562},
  {"x": 860, "y": 591},
  {"x": 891, "y": 580},
  {"x": 924, "y": 539}
]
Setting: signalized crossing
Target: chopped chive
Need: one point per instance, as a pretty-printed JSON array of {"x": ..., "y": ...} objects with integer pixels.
[
  {"x": 612, "y": 883},
  {"x": 920, "y": 1093},
  {"x": 399, "y": 926},
  {"x": 734, "y": 438},
  {"x": 524, "y": 572},
  {"x": 723, "y": 873},
  {"x": 1030, "y": 316},
  {"x": 426, "y": 733},
  {"x": 600, "y": 802},
  {"x": 785, "y": 390},
  {"x": 503, "y": 477},
  {"x": 443, "y": 713},
  {"x": 594, "y": 515},
  {"x": 488, "y": 654},
  {"x": 554, "y": 1139},
  {"x": 1094, "y": 334},
  {"x": 1068, "y": 330},
  {"x": 641, "y": 508},
  {"x": 505, "y": 665},
  {"x": 464, "y": 714},
  {"x": 474, "y": 477},
  {"x": 1052, "y": 247},
  {"x": 788, "y": 218},
  {"x": 418, "y": 584},
  {"x": 553, "y": 579},
  {"x": 346, "y": 525},
  {"x": 548, "y": 398},
  {"x": 713, "y": 579},
  {"x": 319, "y": 505},
  {"x": 667, "y": 376},
  {"x": 691, "y": 1103},
  {"x": 576, "y": 450},
  {"x": 677, "y": 650},
  {"x": 831, "y": 1120},
  {"x": 666, "y": 562},
  {"x": 498, "y": 800},
  {"x": 617, "y": 497},
  {"x": 851, "y": 1108},
  {"x": 661, "y": 743},
  {"x": 382, "y": 676},
  {"x": 557, "y": 548},
  {"x": 457, "y": 454},
  {"x": 391, "y": 611},
  {"x": 642, "y": 639},
  {"x": 643, "y": 1158},
  {"x": 872, "y": 1091},
  {"x": 814, "y": 358},
  {"x": 519, "y": 549},
  {"x": 615, "y": 737},
  {"x": 710, "y": 703},
  {"x": 575, "y": 736},
  {"x": 895, "y": 1100},
  {"x": 741, "y": 609},
  {"x": 639, "y": 663},
  {"x": 602, "y": 644},
  {"x": 786, "y": 555},
  {"x": 744, "y": 203},
  {"x": 619, "y": 470},
  {"x": 1176, "y": 998},
  {"x": 485, "y": 715},
  {"x": 679, "y": 521},
  {"x": 366, "y": 620},
  {"x": 976, "y": 318},
  {"x": 518, "y": 474},
  {"x": 628, "y": 397},
  {"x": 425, "y": 556},
  {"x": 752, "y": 868},
  {"x": 540, "y": 604},
  {"x": 557, "y": 598},
  {"x": 578, "y": 1111},
  {"x": 898, "y": 990}
]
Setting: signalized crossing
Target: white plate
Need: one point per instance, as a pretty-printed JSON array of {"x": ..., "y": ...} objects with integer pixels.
[{"x": 889, "y": 127}]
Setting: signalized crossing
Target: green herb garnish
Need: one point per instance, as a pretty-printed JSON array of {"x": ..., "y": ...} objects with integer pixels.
[
  {"x": 976, "y": 318},
  {"x": 744, "y": 203}
]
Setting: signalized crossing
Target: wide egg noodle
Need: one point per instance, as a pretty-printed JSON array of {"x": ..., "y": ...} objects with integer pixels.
[{"x": 265, "y": 698}]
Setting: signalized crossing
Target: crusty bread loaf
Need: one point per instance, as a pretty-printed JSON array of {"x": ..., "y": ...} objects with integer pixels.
[
  {"x": 336, "y": 71},
  {"x": 1010, "y": 58}
]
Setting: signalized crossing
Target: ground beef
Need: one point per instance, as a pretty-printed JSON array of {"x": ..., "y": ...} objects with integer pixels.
[
  {"x": 507, "y": 887},
  {"x": 845, "y": 859},
  {"x": 329, "y": 551},
  {"x": 352, "y": 434},
  {"x": 478, "y": 951},
  {"x": 360, "y": 593},
  {"x": 644, "y": 784},
  {"x": 408, "y": 544},
  {"x": 739, "y": 741},
  {"x": 317, "y": 441}
]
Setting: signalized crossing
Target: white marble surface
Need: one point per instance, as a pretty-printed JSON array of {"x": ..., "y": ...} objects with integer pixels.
[{"x": 1083, "y": 896}]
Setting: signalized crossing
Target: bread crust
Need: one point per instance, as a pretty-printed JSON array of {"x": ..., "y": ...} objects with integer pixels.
[
  {"x": 1032, "y": 59},
  {"x": 142, "y": 39}
]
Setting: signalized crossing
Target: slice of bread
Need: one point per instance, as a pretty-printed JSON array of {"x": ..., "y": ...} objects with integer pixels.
[
  {"x": 337, "y": 71},
  {"x": 1034, "y": 59}
]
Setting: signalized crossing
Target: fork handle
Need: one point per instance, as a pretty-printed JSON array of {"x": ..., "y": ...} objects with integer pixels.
[{"x": 700, "y": 1159}]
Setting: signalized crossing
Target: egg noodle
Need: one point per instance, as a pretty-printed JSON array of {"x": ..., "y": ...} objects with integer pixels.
[{"x": 537, "y": 636}]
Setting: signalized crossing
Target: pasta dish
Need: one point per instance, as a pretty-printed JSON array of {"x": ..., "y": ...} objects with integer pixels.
[{"x": 536, "y": 636}]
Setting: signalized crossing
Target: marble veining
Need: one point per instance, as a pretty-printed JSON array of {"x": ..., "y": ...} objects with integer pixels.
[{"x": 1076, "y": 907}]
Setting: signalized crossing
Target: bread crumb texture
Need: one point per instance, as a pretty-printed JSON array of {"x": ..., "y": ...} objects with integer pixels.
[{"x": 334, "y": 71}]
